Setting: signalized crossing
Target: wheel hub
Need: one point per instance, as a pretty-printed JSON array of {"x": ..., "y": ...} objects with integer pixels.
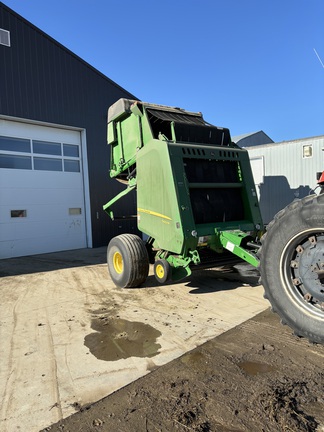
[
  {"x": 159, "y": 271},
  {"x": 118, "y": 262},
  {"x": 308, "y": 268}
]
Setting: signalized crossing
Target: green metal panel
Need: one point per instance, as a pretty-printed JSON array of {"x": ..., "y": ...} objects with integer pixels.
[
  {"x": 157, "y": 202},
  {"x": 232, "y": 241},
  {"x": 123, "y": 150}
]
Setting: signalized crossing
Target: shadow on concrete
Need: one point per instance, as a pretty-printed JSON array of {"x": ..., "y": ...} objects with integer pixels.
[
  {"x": 207, "y": 281},
  {"x": 52, "y": 261}
]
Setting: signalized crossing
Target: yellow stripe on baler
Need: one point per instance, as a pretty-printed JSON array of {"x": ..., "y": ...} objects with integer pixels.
[{"x": 153, "y": 213}]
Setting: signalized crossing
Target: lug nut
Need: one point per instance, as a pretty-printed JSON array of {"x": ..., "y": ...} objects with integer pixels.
[{"x": 308, "y": 297}]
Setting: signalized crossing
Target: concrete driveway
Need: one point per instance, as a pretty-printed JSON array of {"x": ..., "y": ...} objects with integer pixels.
[{"x": 69, "y": 337}]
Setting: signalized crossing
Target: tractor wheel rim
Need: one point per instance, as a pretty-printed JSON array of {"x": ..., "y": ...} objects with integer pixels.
[
  {"x": 118, "y": 262},
  {"x": 159, "y": 271},
  {"x": 301, "y": 270}
]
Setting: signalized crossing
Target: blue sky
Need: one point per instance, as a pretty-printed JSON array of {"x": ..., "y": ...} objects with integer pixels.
[{"x": 245, "y": 64}]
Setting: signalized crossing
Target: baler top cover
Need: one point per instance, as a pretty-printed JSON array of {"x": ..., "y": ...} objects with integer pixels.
[{"x": 171, "y": 123}]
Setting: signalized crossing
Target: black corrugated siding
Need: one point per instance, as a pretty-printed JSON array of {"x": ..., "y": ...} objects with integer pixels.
[{"x": 41, "y": 80}]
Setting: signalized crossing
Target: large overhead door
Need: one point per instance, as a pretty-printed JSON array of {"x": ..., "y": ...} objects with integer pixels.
[{"x": 42, "y": 203}]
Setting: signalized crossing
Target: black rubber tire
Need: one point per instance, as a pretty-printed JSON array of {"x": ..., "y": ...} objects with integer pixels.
[
  {"x": 162, "y": 270},
  {"x": 292, "y": 266},
  {"x": 127, "y": 260}
]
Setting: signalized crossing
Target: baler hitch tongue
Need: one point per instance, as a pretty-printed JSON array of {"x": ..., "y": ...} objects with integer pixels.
[{"x": 233, "y": 242}]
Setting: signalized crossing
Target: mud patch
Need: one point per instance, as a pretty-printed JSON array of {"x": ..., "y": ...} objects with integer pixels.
[
  {"x": 116, "y": 339},
  {"x": 255, "y": 368},
  {"x": 283, "y": 404}
]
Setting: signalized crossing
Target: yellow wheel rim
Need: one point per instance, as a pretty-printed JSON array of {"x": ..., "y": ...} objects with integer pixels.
[
  {"x": 159, "y": 270},
  {"x": 118, "y": 262}
]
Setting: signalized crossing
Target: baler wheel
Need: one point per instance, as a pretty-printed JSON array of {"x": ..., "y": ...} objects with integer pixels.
[
  {"x": 162, "y": 270},
  {"x": 292, "y": 266},
  {"x": 127, "y": 260}
]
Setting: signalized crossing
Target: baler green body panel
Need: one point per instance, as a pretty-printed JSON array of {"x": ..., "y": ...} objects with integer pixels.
[
  {"x": 195, "y": 188},
  {"x": 157, "y": 201}
]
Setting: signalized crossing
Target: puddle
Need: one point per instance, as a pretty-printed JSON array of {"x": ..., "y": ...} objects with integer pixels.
[
  {"x": 116, "y": 339},
  {"x": 255, "y": 368},
  {"x": 193, "y": 358}
]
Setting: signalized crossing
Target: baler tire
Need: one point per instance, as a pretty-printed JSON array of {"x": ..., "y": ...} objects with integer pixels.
[
  {"x": 292, "y": 266},
  {"x": 127, "y": 260},
  {"x": 162, "y": 270}
]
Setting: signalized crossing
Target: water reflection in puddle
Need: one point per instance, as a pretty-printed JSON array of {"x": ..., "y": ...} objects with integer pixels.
[
  {"x": 194, "y": 358},
  {"x": 116, "y": 339},
  {"x": 255, "y": 368}
]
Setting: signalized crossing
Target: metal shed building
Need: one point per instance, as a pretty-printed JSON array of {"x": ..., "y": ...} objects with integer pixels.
[
  {"x": 285, "y": 171},
  {"x": 54, "y": 160},
  {"x": 252, "y": 139}
]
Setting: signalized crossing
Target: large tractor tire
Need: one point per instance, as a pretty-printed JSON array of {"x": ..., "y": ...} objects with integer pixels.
[
  {"x": 292, "y": 266},
  {"x": 128, "y": 261}
]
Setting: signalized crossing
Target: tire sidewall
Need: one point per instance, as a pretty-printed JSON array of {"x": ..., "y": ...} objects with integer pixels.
[
  {"x": 120, "y": 279},
  {"x": 166, "y": 267},
  {"x": 296, "y": 218}
]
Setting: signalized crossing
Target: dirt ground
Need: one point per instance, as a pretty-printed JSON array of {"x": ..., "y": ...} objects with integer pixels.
[
  {"x": 69, "y": 337},
  {"x": 255, "y": 377}
]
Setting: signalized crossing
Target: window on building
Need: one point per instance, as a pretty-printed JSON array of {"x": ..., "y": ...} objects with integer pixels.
[
  {"x": 58, "y": 156},
  {"x": 14, "y": 144},
  {"x": 70, "y": 150},
  {"x": 71, "y": 165},
  {"x": 307, "y": 151},
  {"x": 4, "y": 37},
  {"x": 47, "y": 164},
  {"x": 48, "y": 148},
  {"x": 15, "y": 162}
]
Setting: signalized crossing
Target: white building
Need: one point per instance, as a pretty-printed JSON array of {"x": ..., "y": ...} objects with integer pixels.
[{"x": 285, "y": 171}]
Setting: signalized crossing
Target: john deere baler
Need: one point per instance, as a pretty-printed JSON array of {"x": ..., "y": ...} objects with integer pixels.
[{"x": 196, "y": 197}]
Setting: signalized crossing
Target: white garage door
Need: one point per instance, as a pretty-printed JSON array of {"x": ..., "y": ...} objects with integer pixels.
[{"x": 41, "y": 190}]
